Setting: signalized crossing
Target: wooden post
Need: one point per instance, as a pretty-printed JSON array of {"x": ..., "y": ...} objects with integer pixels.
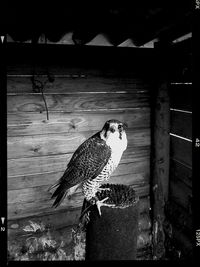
[
  {"x": 160, "y": 164},
  {"x": 113, "y": 235}
]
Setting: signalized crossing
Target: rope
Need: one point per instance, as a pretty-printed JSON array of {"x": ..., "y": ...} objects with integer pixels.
[{"x": 38, "y": 86}]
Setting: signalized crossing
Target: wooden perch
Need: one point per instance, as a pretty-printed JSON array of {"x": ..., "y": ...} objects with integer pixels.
[{"x": 113, "y": 236}]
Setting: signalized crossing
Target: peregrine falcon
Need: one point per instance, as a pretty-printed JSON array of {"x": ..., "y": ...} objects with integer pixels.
[{"x": 92, "y": 164}]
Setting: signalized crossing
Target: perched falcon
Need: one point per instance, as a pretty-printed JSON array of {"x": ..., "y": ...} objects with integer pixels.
[{"x": 92, "y": 164}]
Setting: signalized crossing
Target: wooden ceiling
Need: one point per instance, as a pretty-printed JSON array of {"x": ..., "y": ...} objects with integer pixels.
[{"x": 128, "y": 26}]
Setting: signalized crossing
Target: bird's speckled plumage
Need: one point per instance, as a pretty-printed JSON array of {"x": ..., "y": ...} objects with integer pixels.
[{"x": 93, "y": 162}]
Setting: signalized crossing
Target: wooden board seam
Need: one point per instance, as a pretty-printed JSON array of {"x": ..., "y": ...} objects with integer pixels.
[
  {"x": 80, "y": 92},
  {"x": 84, "y": 110},
  {"x": 31, "y": 174},
  {"x": 182, "y": 163}
]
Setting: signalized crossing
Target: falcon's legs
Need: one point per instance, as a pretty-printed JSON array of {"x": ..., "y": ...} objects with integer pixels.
[
  {"x": 101, "y": 203},
  {"x": 72, "y": 190}
]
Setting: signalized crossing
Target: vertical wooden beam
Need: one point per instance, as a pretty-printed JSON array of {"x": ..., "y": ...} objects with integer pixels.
[{"x": 160, "y": 164}]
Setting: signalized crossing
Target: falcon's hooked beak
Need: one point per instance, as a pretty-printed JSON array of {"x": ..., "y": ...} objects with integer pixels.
[
  {"x": 121, "y": 128},
  {"x": 125, "y": 125}
]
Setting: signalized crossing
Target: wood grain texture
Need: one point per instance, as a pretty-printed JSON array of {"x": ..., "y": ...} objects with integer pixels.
[
  {"x": 25, "y": 123},
  {"x": 77, "y": 83},
  {"x": 182, "y": 195},
  {"x": 160, "y": 165},
  {"x": 181, "y": 97},
  {"x": 181, "y": 150},
  {"x": 131, "y": 174},
  {"x": 181, "y": 124},
  {"x": 40, "y": 145},
  {"x": 72, "y": 102},
  {"x": 161, "y": 144},
  {"x": 180, "y": 172},
  {"x": 35, "y": 202},
  {"x": 40, "y": 193},
  {"x": 58, "y": 162}
]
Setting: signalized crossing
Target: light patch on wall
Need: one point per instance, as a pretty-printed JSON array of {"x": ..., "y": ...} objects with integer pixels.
[
  {"x": 182, "y": 38},
  {"x": 180, "y": 110},
  {"x": 100, "y": 40},
  {"x": 127, "y": 43},
  {"x": 180, "y": 137},
  {"x": 150, "y": 44}
]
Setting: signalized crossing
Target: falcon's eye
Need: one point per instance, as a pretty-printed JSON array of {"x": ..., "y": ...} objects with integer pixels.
[{"x": 119, "y": 126}]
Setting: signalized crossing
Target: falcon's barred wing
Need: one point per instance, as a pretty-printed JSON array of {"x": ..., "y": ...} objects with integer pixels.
[{"x": 87, "y": 162}]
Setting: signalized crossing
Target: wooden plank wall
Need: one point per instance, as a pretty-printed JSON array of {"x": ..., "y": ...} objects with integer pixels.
[
  {"x": 79, "y": 101},
  {"x": 179, "y": 210}
]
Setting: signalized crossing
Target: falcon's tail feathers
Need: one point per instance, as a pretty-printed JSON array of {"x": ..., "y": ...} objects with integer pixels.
[
  {"x": 52, "y": 186},
  {"x": 59, "y": 193},
  {"x": 59, "y": 198}
]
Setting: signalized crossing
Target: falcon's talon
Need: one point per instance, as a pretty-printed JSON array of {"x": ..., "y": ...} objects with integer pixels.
[
  {"x": 87, "y": 217},
  {"x": 101, "y": 203}
]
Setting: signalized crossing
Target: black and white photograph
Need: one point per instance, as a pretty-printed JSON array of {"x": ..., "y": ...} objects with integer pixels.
[{"x": 99, "y": 141}]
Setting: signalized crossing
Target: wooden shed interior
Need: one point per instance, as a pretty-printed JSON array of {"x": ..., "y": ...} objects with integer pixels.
[{"x": 64, "y": 80}]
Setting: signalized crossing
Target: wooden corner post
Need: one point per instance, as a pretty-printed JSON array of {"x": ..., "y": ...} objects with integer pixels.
[{"x": 160, "y": 164}]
